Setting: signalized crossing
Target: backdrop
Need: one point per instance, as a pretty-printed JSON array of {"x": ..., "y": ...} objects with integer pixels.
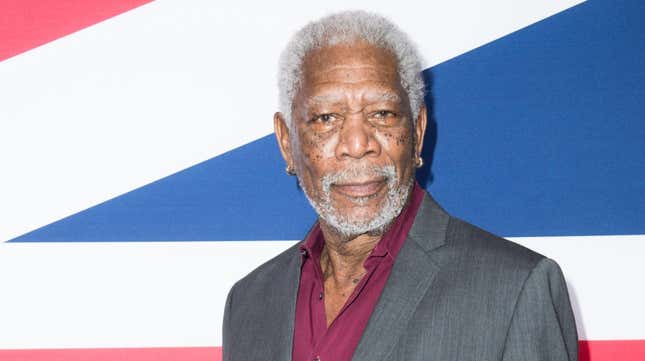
[{"x": 139, "y": 177}]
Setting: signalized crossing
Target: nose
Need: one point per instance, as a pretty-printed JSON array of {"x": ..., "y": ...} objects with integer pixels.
[{"x": 357, "y": 138}]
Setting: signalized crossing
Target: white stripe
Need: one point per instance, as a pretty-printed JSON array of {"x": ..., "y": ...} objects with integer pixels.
[
  {"x": 58, "y": 295},
  {"x": 153, "y": 91},
  {"x": 172, "y": 294}
]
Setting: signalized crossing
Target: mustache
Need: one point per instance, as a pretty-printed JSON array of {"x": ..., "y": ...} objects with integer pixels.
[{"x": 360, "y": 172}]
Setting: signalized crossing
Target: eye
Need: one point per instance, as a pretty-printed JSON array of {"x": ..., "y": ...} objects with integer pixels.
[
  {"x": 384, "y": 114},
  {"x": 323, "y": 118},
  {"x": 384, "y": 117},
  {"x": 324, "y": 122}
]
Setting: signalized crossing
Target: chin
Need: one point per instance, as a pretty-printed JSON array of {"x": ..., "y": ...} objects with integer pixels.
[
  {"x": 370, "y": 220},
  {"x": 352, "y": 216}
]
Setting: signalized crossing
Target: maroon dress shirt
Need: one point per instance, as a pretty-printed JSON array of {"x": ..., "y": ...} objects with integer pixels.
[{"x": 313, "y": 340}]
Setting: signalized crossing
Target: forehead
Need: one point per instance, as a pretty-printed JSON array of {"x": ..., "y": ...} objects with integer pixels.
[{"x": 361, "y": 66}]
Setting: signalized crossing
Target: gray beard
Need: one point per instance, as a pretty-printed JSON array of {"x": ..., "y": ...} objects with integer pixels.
[{"x": 344, "y": 225}]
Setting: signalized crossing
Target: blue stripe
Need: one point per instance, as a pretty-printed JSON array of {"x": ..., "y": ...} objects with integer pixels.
[
  {"x": 539, "y": 133},
  {"x": 241, "y": 195},
  {"x": 542, "y": 132}
]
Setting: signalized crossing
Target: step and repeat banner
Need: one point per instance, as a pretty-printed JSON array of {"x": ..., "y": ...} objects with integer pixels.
[{"x": 140, "y": 177}]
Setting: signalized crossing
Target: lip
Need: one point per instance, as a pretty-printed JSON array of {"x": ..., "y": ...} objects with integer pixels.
[{"x": 360, "y": 189}]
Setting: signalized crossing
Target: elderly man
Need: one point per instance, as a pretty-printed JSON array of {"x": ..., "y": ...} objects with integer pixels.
[{"x": 385, "y": 273}]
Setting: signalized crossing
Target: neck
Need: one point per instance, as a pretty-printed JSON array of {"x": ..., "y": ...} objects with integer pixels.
[{"x": 342, "y": 258}]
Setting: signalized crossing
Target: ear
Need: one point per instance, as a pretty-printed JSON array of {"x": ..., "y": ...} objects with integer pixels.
[
  {"x": 420, "y": 130},
  {"x": 283, "y": 136}
]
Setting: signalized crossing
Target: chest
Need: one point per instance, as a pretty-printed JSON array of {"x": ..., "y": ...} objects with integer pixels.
[{"x": 336, "y": 295}]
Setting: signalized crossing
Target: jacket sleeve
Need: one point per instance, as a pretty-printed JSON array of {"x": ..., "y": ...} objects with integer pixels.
[
  {"x": 226, "y": 328},
  {"x": 543, "y": 326}
]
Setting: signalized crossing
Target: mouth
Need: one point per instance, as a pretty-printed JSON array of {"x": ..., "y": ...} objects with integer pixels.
[{"x": 360, "y": 189}]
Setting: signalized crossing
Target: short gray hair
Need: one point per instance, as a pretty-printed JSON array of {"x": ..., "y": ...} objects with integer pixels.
[{"x": 344, "y": 28}]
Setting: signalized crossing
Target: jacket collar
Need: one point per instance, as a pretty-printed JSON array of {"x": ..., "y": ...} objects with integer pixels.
[
  {"x": 411, "y": 277},
  {"x": 430, "y": 225}
]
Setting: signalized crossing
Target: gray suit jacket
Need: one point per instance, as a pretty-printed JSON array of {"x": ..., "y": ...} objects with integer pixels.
[{"x": 455, "y": 292}]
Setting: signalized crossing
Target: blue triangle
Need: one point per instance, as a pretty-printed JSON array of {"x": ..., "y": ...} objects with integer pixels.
[{"x": 241, "y": 195}]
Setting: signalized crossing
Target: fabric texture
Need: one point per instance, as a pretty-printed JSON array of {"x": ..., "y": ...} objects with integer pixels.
[{"x": 455, "y": 292}]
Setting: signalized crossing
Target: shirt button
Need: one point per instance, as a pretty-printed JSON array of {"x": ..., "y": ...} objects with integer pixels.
[
  {"x": 317, "y": 358},
  {"x": 320, "y": 296}
]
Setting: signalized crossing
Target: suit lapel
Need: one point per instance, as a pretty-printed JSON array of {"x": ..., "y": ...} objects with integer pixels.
[
  {"x": 285, "y": 315},
  {"x": 281, "y": 339},
  {"x": 412, "y": 274}
]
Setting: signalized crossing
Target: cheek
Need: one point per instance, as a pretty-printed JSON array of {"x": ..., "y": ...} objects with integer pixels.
[
  {"x": 316, "y": 149},
  {"x": 396, "y": 143},
  {"x": 314, "y": 162},
  {"x": 398, "y": 146}
]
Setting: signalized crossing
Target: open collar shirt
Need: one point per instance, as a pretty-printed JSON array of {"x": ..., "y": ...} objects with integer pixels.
[{"x": 313, "y": 340}]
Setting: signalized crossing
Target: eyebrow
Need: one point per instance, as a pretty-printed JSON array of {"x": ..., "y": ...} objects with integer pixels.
[{"x": 337, "y": 98}]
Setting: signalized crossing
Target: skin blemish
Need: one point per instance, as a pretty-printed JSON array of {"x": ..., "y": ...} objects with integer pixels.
[{"x": 401, "y": 140}]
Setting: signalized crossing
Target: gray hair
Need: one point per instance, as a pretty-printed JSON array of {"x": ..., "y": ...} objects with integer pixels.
[{"x": 344, "y": 28}]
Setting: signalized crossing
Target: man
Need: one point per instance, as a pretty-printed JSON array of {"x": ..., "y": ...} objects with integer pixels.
[{"x": 385, "y": 273}]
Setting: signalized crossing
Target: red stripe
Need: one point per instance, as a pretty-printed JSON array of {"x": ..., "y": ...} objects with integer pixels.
[
  {"x": 116, "y": 354},
  {"x": 614, "y": 350},
  {"x": 26, "y": 24}
]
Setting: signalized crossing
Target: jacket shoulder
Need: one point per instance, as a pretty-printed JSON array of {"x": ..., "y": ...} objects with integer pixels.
[
  {"x": 269, "y": 270},
  {"x": 478, "y": 244},
  {"x": 258, "y": 318}
]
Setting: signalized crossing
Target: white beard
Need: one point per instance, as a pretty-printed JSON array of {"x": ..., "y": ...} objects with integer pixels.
[{"x": 390, "y": 208}]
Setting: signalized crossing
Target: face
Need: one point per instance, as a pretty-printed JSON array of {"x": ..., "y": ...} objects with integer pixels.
[{"x": 352, "y": 141}]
